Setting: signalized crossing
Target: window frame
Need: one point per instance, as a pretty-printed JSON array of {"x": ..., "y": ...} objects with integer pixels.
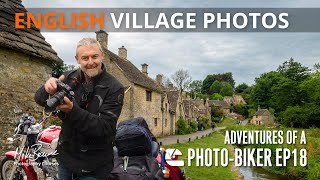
[{"x": 148, "y": 95}]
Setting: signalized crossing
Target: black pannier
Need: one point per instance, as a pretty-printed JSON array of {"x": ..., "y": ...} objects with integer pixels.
[{"x": 134, "y": 138}]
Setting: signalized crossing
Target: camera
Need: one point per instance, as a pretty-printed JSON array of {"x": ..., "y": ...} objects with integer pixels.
[{"x": 57, "y": 98}]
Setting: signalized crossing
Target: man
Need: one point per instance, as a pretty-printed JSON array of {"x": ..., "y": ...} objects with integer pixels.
[{"x": 89, "y": 120}]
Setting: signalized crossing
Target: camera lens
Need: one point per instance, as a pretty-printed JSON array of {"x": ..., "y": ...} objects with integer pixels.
[{"x": 53, "y": 102}]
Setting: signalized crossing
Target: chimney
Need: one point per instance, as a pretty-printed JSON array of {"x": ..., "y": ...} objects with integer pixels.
[
  {"x": 159, "y": 79},
  {"x": 144, "y": 69},
  {"x": 102, "y": 37},
  {"x": 170, "y": 86},
  {"x": 188, "y": 97},
  {"x": 122, "y": 53}
]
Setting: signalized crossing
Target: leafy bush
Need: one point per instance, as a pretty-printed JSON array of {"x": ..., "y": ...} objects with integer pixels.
[
  {"x": 204, "y": 122},
  {"x": 182, "y": 126},
  {"x": 216, "y": 112},
  {"x": 241, "y": 109},
  {"x": 215, "y": 119},
  {"x": 194, "y": 126},
  {"x": 216, "y": 96}
]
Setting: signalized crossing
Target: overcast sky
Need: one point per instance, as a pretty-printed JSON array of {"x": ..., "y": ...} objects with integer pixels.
[{"x": 246, "y": 55}]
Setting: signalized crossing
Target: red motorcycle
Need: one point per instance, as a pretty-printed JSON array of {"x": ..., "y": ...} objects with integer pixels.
[{"x": 35, "y": 157}]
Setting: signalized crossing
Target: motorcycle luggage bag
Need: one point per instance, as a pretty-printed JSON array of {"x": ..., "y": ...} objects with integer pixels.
[
  {"x": 132, "y": 140},
  {"x": 141, "y": 122}
]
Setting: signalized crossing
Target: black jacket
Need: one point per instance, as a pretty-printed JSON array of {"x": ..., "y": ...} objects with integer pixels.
[{"x": 88, "y": 130}]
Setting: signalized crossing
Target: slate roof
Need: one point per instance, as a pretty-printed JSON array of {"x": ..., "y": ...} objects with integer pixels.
[
  {"x": 235, "y": 99},
  {"x": 29, "y": 41},
  {"x": 260, "y": 112},
  {"x": 238, "y": 99},
  {"x": 218, "y": 103},
  {"x": 173, "y": 100},
  {"x": 228, "y": 99},
  {"x": 188, "y": 105},
  {"x": 134, "y": 74}
]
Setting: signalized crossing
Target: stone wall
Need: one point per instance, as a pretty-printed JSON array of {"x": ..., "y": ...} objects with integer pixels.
[
  {"x": 150, "y": 110},
  {"x": 135, "y": 104},
  {"x": 21, "y": 76},
  {"x": 166, "y": 116},
  {"x": 126, "y": 112}
]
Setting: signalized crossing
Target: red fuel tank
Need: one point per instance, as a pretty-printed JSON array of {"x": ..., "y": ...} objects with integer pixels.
[{"x": 49, "y": 134}]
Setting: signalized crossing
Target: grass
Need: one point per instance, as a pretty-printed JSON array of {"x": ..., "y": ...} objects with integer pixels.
[
  {"x": 226, "y": 122},
  {"x": 215, "y": 140}
]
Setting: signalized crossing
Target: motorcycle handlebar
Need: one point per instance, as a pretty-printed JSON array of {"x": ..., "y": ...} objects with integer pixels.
[{"x": 25, "y": 129}]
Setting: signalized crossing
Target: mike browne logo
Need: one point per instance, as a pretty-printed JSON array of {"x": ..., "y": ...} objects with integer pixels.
[{"x": 172, "y": 157}]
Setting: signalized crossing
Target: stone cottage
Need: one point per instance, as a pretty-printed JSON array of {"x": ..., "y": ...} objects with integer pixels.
[
  {"x": 143, "y": 95},
  {"x": 176, "y": 109},
  {"x": 234, "y": 100},
  {"x": 189, "y": 108},
  {"x": 222, "y": 105},
  {"x": 194, "y": 108},
  {"x": 25, "y": 60},
  {"x": 202, "y": 108},
  {"x": 263, "y": 117}
]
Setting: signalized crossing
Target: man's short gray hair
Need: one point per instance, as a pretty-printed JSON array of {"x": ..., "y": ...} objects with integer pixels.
[{"x": 88, "y": 42}]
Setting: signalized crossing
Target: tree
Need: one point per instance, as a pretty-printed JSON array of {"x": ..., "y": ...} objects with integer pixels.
[
  {"x": 241, "y": 109},
  {"x": 241, "y": 88},
  {"x": 216, "y": 96},
  {"x": 195, "y": 87},
  {"x": 261, "y": 93},
  {"x": 301, "y": 116},
  {"x": 69, "y": 67},
  {"x": 223, "y": 88},
  {"x": 216, "y": 87},
  {"x": 202, "y": 96},
  {"x": 182, "y": 79},
  {"x": 226, "y": 89},
  {"x": 57, "y": 70},
  {"x": 316, "y": 71},
  {"x": 225, "y": 77},
  {"x": 207, "y": 82},
  {"x": 310, "y": 90},
  {"x": 284, "y": 94},
  {"x": 294, "y": 70}
]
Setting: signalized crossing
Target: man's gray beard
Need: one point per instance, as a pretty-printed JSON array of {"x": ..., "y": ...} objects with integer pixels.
[{"x": 90, "y": 76}]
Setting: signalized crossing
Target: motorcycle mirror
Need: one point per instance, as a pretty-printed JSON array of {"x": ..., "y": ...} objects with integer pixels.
[
  {"x": 9, "y": 140},
  {"x": 17, "y": 110}
]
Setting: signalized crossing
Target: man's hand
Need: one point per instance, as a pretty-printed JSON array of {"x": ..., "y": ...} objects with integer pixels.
[
  {"x": 51, "y": 86},
  {"x": 66, "y": 106}
]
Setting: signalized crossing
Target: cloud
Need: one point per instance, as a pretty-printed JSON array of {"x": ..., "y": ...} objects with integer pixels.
[{"x": 246, "y": 55}]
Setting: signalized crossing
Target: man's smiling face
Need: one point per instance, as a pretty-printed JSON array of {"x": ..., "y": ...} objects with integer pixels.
[{"x": 90, "y": 59}]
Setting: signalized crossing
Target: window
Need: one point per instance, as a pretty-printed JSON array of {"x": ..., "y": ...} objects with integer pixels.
[
  {"x": 155, "y": 122},
  {"x": 165, "y": 122},
  {"x": 148, "y": 95},
  {"x": 166, "y": 106}
]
